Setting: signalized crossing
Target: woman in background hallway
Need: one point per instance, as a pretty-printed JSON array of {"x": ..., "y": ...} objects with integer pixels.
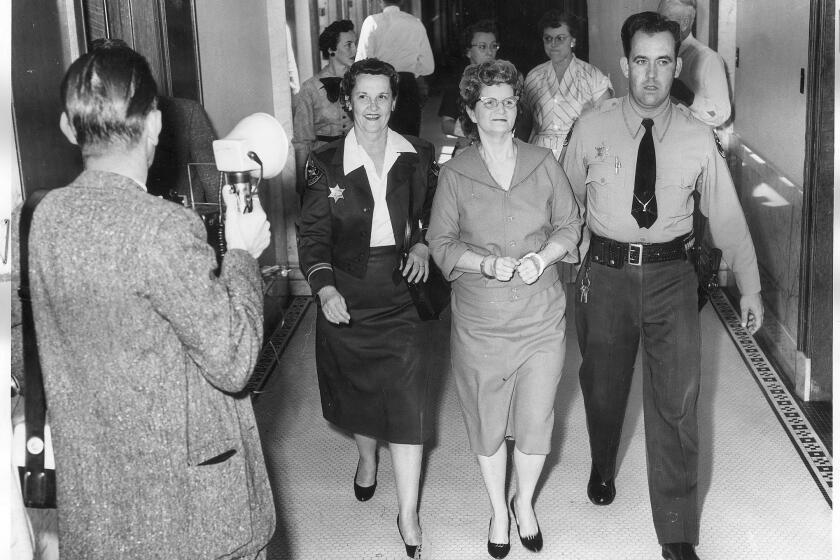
[
  {"x": 503, "y": 215},
  {"x": 318, "y": 115},
  {"x": 370, "y": 343},
  {"x": 559, "y": 90},
  {"x": 480, "y": 45}
]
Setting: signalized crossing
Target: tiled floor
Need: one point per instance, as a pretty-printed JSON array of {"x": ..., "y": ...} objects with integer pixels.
[
  {"x": 762, "y": 495},
  {"x": 758, "y": 498}
]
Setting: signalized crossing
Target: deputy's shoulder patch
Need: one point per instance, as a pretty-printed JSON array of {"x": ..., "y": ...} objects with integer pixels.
[
  {"x": 719, "y": 145},
  {"x": 313, "y": 173}
]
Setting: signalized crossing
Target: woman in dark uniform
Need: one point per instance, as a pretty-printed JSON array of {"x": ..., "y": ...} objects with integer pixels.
[{"x": 370, "y": 341}]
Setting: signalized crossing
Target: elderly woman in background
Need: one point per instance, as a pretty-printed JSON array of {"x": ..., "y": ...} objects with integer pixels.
[
  {"x": 318, "y": 115},
  {"x": 370, "y": 343},
  {"x": 504, "y": 213},
  {"x": 559, "y": 90}
]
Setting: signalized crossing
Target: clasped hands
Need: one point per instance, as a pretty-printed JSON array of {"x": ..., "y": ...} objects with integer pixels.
[{"x": 502, "y": 269}]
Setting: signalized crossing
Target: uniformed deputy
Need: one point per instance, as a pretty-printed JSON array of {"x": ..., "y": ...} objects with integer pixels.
[
  {"x": 634, "y": 164},
  {"x": 370, "y": 344}
]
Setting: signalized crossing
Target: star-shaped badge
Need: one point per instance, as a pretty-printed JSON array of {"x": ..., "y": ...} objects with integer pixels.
[{"x": 336, "y": 193}]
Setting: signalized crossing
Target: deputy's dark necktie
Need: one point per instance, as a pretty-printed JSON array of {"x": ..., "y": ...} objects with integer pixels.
[{"x": 644, "y": 190}]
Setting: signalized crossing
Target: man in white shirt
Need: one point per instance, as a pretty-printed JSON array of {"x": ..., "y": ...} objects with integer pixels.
[
  {"x": 702, "y": 84},
  {"x": 400, "y": 39}
]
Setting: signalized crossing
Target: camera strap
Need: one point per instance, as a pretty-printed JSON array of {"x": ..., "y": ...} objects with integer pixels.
[{"x": 34, "y": 399}]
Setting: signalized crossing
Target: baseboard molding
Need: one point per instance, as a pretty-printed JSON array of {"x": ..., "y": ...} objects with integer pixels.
[{"x": 814, "y": 453}]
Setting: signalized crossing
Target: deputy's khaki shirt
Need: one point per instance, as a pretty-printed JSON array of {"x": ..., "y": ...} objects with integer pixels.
[{"x": 600, "y": 162}]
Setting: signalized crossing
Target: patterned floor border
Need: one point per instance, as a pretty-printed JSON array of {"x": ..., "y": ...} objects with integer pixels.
[
  {"x": 275, "y": 345},
  {"x": 809, "y": 446}
]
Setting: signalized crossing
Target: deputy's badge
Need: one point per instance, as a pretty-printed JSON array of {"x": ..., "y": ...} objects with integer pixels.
[
  {"x": 719, "y": 145},
  {"x": 313, "y": 173},
  {"x": 602, "y": 151},
  {"x": 336, "y": 193}
]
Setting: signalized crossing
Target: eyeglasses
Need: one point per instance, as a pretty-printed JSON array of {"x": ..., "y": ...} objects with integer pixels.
[
  {"x": 557, "y": 40},
  {"x": 492, "y": 103},
  {"x": 484, "y": 46}
]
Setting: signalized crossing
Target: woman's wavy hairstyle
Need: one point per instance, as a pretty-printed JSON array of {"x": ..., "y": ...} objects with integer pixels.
[
  {"x": 371, "y": 66},
  {"x": 478, "y": 76},
  {"x": 328, "y": 39},
  {"x": 107, "y": 95}
]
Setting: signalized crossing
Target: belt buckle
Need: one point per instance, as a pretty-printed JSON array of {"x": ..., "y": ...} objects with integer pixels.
[{"x": 634, "y": 253}]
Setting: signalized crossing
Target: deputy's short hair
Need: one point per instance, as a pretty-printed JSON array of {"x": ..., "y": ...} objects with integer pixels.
[
  {"x": 107, "y": 95},
  {"x": 649, "y": 23}
]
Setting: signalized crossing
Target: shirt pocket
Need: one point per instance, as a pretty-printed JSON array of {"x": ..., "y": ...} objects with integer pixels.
[
  {"x": 673, "y": 191},
  {"x": 604, "y": 174},
  {"x": 604, "y": 179}
]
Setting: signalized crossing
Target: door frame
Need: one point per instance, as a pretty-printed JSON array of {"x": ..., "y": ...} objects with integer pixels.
[{"x": 816, "y": 267}]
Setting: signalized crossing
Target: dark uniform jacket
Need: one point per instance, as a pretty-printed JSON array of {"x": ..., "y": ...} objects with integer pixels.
[{"x": 337, "y": 209}]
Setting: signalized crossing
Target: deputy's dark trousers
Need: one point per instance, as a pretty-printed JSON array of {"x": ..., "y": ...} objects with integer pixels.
[
  {"x": 658, "y": 302},
  {"x": 406, "y": 116}
]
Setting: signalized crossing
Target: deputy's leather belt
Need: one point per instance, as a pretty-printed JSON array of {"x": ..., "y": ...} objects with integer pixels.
[
  {"x": 614, "y": 254},
  {"x": 323, "y": 138}
]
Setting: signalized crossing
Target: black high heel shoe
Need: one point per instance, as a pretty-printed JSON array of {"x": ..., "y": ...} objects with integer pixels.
[
  {"x": 497, "y": 550},
  {"x": 410, "y": 549},
  {"x": 363, "y": 493},
  {"x": 534, "y": 543}
]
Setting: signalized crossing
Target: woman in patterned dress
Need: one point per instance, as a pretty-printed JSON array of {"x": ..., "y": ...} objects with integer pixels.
[{"x": 559, "y": 90}]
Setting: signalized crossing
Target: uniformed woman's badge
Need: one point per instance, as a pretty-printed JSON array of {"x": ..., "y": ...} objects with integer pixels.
[
  {"x": 336, "y": 193},
  {"x": 313, "y": 173},
  {"x": 719, "y": 145}
]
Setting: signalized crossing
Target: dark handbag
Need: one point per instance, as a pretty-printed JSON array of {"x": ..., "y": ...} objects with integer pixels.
[
  {"x": 432, "y": 296},
  {"x": 37, "y": 483},
  {"x": 705, "y": 258}
]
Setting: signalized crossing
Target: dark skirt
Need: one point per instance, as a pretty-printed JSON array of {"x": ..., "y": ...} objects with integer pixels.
[{"x": 373, "y": 373}]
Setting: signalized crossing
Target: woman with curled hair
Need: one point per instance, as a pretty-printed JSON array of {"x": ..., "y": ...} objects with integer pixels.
[
  {"x": 559, "y": 90},
  {"x": 318, "y": 115},
  {"x": 370, "y": 347},
  {"x": 503, "y": 215}
]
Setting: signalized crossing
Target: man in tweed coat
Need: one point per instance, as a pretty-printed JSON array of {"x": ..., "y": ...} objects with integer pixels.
[{"x": 144, "y": 350}]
